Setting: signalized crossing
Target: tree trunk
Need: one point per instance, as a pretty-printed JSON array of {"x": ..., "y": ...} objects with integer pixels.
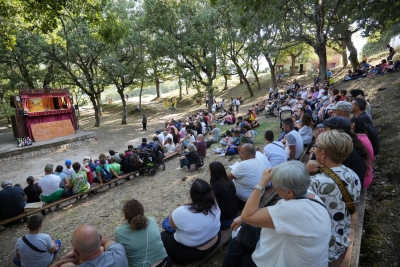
[
  {"x": 226, "y": 82},
  {"x": 352, "y": 49},
  {"x": 293, "y": 58},
  {"x": 344, "y": 54},
  {"x": 240, "y": 80},
  {"x": 272, "y": 69},
  {"x": 158, "y": 87},
  {"x": 256, "y": 77},
  {"x": 186, "y": 86},
  {"x": 180, "y": 86},
  {"x": 243, "y": 78},
  {"x": 96, "y": 111},
  {"x": 320, "y": 50},
  {"x": 140, "y": 93},
  {"x": 124, "y": 109}
]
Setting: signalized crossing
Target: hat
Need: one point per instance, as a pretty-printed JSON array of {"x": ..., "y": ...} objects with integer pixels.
[
  {"x": 111, "y": 152},
  {"x": 5, "y": 183},
  {"x": 336, "y": 123},
  {"x": 48, "y": 168},
  {"x": 342, "y": 105},
  {"x": 86, "y": 158},
  {"x": 68, "y": 162},
  {"x": 158, "y": 132}
]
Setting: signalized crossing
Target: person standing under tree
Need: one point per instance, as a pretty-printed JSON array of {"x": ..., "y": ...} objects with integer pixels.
[
  {"x": 391, "y": 52},
  {"x": 165, "y": 104},
  {"x": 127, "y": 97},
  {"x": 144, "y": 122},
  {"x": 207, "y": 98}
]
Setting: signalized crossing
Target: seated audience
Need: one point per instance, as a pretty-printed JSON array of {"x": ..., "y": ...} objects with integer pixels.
[
  {"x": 249, "y": 133},
  {"x": 227, "y": 140},
  {"x": 247, "y": 173},
  {"x": 89, "y": 172},
  {"x": 45, "y": 248},
  {"x": 32, "y": 191},
  {"x": 79, "y": 180},
  {"x": 215, "y": 131},
  {"x": 63, "y": 177},
  {"x": 189, "y": 159},
  {"x": 68, "y": 170},
  {"x": 358, "y": 128},
  {"x": 12, "y": 200},
  {"x": 293, "y": 140},
  {"x": 90, "y": 249},
  {"x": 50, "y": 185},
  {"x": 274, "y": 150},
  {"x": 284, "y": 241},
  {"x": 141, "y": 238},
  {"x": 224, "y": 192},
  {"x": 196, "y": 225},
  {"x": 330, "y": 149},
  {"x": 306, "y": 129},
  {"x": 143, "y": 144}
]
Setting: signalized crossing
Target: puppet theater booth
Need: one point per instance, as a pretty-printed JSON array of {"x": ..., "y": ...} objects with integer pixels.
[{"x": 43, "y": 114}]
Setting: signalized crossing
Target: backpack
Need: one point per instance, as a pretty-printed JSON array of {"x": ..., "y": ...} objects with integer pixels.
[
  {"x": 373, "y": 138},
  {"x": 105, "y": 174},
  {"x": 134, "y": 160},
  {"x": 243, "y": 139},
  {"x": 199, "y": 161}
]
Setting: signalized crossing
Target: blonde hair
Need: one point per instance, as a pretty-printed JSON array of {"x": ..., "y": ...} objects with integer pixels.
[{"x": 337, "y": 144}]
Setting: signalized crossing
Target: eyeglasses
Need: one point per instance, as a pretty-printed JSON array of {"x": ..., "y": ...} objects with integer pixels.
[{"x": 315, "y": 146}]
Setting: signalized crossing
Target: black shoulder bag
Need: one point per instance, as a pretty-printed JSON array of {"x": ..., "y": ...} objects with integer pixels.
[{"x": 33, "y": 247}]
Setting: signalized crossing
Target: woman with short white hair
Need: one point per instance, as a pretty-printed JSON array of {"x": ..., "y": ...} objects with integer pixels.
[
  {"x": 189, "y": 159},
  {"x": 295, "y": 231}
]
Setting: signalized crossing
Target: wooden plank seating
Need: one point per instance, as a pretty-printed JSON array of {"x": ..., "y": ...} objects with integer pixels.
[
  {"x": 351, "y": 257},
  {"x": 90, "y": 192}
]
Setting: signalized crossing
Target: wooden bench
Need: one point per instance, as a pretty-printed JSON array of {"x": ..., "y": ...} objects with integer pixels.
[
  {"x": 91, "y": 191},
  {"x": 352, "y": 254}
]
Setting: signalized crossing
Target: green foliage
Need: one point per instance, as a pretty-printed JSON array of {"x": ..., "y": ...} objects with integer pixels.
[
  {"x": 377, "y": 44},
  {"x": 6, "y": 110}
]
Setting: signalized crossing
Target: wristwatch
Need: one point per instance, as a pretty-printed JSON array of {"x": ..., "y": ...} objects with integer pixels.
[{"x": 259, "y": 187}]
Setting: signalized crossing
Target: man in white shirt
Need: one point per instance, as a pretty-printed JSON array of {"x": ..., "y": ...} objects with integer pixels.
[
  {"x": 247, "y": 173},
  {"x": 68, "y": 170},
  {"x": 50, "y": 184},
  {"x": 274, "y": 150},
  {"x": 294, "y": 142},
  {"x": 160, "y": 136}
]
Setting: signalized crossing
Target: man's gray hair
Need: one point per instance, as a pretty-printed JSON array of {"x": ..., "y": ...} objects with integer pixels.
[
  {"x": 192, "y": 148},
  {"x": 291, "y": 175}
]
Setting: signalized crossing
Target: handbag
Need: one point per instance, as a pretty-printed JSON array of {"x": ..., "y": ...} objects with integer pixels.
[
  {"x": 345, "y": 193},
  {"x": 248, "y": 235}
]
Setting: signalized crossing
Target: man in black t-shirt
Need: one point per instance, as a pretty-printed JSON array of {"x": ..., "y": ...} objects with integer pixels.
[
  {"x": 391, "y": 52},
  {"x": 12, "y": 200}
]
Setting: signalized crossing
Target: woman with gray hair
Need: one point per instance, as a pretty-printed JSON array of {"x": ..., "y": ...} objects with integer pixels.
[
  {"x": 331, "y": 148},
  {"x": 189, "y": 159},
  {"x": 295, "y": 231}
]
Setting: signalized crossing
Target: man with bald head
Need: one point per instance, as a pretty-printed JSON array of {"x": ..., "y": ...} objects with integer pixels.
[
  {"x": 247, "y": 173},
  {"x": 90, "y": 249}
]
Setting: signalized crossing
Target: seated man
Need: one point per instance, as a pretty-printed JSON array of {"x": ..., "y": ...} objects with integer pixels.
[
  {"x": 246, "y": 174},
  {"x": 115, "y": 166},
  {"x": 50, "y": 185},
  {"x": 293, "y": 140},
  {"x": 274, "y": 150},
  {"x": 114, "y": 155},
  {"x": 143, "y": 144},
  {"x": 90, "y": 249},
  {"x": 215, "y": 131},
  {"x": 201, "y": 146},
  {"x": 12, "y": 200},
  {"x": 35, "y": 249}
]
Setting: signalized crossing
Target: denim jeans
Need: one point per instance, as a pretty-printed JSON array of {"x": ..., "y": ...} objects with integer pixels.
[
  {"x": 185, "y": 162},
  {"x": 238, "y": 256},
  {"x": 282, "y": 135}
]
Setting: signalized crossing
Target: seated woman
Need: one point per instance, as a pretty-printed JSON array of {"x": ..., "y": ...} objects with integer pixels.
[
  {"x": 358, "y": 128},
  {"x": 196, "y": 225},
  {"x": 228, "y": 139},
  {"x": 295, "y": 231},
  {"x": 306, "y": 129},
  {"x": 170, "y": 146},
  {"x": 249, "y": 133},
  {"x": 228, "y": 118},
  {"x": 225, "y": 193},
  {"x": 78, "y": 180},
  {"x": 141, "y": 238},
  {"x": 331, "y": 149},
  {"x": 189, "y": 159},
  {"x": 32, "y": 191}
]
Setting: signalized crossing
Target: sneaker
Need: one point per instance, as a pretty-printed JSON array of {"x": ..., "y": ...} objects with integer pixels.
[{"x": 179, "y": 168}]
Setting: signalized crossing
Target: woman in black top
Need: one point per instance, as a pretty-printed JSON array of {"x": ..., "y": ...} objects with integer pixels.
[
  {"x": 32, "y": 191},
  {"x": 225, "y": 193}
]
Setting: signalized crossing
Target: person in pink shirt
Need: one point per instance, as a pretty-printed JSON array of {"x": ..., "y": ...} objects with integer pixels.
[{"x": 358, "y": 127}]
